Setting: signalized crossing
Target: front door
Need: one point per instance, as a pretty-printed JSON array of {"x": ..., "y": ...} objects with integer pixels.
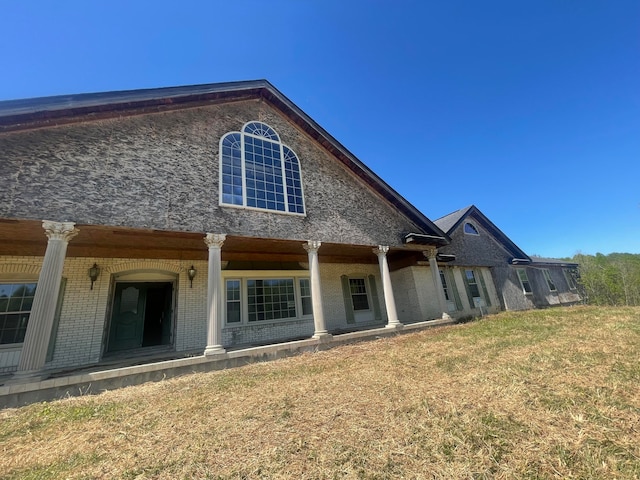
[{"x": 141, "y": 315}]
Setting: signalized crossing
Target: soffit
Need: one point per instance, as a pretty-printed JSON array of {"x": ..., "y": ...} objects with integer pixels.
[{"x": 27, "y": 238}]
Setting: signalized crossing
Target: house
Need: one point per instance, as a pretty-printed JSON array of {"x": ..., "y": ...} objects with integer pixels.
[
  {"x": 196, "y": 220},
  {"x": 492, "y": 273}
]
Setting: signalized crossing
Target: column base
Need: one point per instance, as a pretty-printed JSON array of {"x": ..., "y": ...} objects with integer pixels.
[
  {"x": 323, "y": 336},
  {"x": 213, "y": 350},
  {"x": 394, "y": 326}
]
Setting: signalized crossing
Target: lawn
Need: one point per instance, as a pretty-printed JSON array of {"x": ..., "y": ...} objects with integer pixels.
[{"x": 539, "y": 394}]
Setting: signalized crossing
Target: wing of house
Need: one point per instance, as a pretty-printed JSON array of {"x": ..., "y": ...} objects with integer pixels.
[
  {"x": 509, "y": 278},
  {"x": 194, "y": 219}
]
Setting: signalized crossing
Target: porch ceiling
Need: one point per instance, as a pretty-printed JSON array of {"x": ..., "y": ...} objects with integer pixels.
[{"x": 26, "y": 237}]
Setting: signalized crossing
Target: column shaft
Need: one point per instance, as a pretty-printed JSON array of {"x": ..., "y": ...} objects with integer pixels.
[
  {"x": 316, "y": 291},
  {"x": 36, "y": 340},
  {"x": 387, "y": 288},
  {"x": 215, "y": 291}
]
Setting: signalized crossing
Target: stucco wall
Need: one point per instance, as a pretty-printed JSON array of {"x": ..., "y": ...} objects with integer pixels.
[
  {"x": 160, "y": 171},
  {"x": 415, "y": 294},
  {"x": 472, "y": 250}
]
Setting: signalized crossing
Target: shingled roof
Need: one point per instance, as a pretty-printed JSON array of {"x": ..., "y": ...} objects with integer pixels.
[{"x": 453, "y": 220}]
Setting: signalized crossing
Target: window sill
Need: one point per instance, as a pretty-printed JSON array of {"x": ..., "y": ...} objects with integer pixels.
[{"x": 262, "y": 210}]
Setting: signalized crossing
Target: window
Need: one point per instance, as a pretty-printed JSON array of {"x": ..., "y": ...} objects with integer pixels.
[
  {"x": 16, "y": 300},
  {"x": 358, "y": 289},
  {"x": 470, "y": 229},
  {"x": 568, "y": 275},
  {"x": 258, "y": 171},
  {"x": 444, "y": 286},
  {"x": 233, "y": 301},
  {"x": 271, "y": 299},
  {"x": 250, "y": 300},
  {"x": 472, "y": 284},
  {"x": 450, "y": 293},
  {"x": 547, "y": 277},
  {"x": 305, "y": 296},
  {"x": 524, "y": 280}
]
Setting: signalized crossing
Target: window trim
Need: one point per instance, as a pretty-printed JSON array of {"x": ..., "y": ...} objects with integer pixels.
[
  {"x": 524, "y": 289},
  {"x": 244, "y": 276},
  {"x": 283, "y": 156}
]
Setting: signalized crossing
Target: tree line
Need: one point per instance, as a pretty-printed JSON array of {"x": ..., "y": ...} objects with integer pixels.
[{"x": 612, "y": 279}]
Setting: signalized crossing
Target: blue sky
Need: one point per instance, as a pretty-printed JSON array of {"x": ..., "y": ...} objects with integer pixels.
[{"x": 528, "y": 109}]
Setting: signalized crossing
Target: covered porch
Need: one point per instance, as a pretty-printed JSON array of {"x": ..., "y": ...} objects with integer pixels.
[{"x": 181, "y": 276}]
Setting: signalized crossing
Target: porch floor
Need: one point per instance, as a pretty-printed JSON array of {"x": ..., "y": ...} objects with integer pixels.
[{"x": 117, "y": 372}]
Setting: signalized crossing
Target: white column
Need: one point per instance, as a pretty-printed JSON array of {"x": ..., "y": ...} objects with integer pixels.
[
  {"x": 36, "y": 340},
  {"x": 435, "y": 272},
  {"x": 389, "y": 301},
  {"x": 214, "y": 294},
  {"x": 316, "y": 291}
]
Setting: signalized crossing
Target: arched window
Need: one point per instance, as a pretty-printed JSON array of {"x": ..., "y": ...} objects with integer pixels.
[
  {"x": 258, "y": 171},
  {"x": 470, "y": 229}
]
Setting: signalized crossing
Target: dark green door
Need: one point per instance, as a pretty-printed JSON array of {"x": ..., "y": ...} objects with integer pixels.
[
  {"x": 142, "y": 315},
  {"x": 127, "y": 319}
]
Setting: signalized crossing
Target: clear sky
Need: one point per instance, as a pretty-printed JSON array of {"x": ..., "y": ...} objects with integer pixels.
[{"x": 528, "y": 109}]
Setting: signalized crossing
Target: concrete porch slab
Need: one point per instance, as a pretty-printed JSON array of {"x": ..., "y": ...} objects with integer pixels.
[{"x": 95, "y": 382}]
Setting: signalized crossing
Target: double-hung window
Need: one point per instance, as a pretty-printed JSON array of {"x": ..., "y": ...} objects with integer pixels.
[
  {"x": 524, "y": 280},
  {"x": 258, "y": 171},
  {"x": 16, "y": 299},
  {"x": 358, "y": 289},
  {"x": 476, "y": 288}
]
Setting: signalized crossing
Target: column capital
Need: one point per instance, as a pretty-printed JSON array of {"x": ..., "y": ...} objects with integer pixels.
[
  {"x": 312, "y": 246},
  {"x": 59, "y": 230},
  {"x": 381, "y": 250},
  {"x": 215, "y": 240},
  {"x": 430, "y": 252}
]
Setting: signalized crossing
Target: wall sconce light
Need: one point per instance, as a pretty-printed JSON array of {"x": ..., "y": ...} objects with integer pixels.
[
  {"x": 191, "y": 273},
  {"x": 93, "y": 274}
]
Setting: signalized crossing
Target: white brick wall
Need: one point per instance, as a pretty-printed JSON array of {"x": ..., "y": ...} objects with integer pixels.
[
  {"x": 83, "y": 319},
  {"x": 81, "y": 333}
]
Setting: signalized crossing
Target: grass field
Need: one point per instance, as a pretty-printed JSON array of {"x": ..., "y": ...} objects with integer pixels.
[{"x": 539, "y": 394}]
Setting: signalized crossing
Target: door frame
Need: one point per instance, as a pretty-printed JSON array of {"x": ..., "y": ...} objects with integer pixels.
[{"x": 140, "y": 276}]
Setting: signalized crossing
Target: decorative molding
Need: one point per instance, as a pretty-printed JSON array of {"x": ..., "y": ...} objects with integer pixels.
[
  {"x": 20, "y": 268},
  {"x": 215, "y": 240},
  {"x": 146, "y": 265},
  {"x": 430, "y": 252},
  {"x": 381, "y": 250},
  {"x": 312, "y": 246},
  {"x": 59, "y": 230}
]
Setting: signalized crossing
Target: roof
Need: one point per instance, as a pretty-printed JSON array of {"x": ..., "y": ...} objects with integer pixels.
[
  {"x": 45, "y": 112},
  {"x": 554, "y": 262},
  {"x": 453, "y": 220}
]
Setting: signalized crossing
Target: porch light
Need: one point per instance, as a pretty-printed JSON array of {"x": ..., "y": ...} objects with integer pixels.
[
  {"x": 191, "y": 273},
  {"x": 93, "y": 274}
]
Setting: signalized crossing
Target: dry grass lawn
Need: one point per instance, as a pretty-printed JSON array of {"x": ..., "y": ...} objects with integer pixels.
[{"x": 540, "y": 394}]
